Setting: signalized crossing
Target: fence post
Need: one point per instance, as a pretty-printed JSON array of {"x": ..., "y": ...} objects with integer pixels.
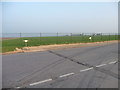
[
  {"x": 101, "y": 36},
  {"x": 20, "y": 38},
  {"x": 71, "y": 37},
  {"x": 116, "y": 36},
  {"x": 20, "y": 35},
  {"x": 82, "y": 37},
  {"x": 109, "y": 37},
  {"x": 57, "y": 38},
  {"x": 92, "y": 37},
  {"x": 40, "y": 37}
]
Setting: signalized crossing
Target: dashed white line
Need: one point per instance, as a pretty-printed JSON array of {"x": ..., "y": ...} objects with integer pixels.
[
  {"x": 86, "y": 69},
  {"x": 101, "y": 65},
  {"x": 113, "y": 62},
  {"x": 18, "y": 87},
  {"x": 65, "y": 75},
  {"x": 40, "y": 82}
]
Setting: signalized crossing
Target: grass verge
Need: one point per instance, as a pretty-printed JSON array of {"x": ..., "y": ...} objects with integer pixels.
[{"x": 11, "y": 44}]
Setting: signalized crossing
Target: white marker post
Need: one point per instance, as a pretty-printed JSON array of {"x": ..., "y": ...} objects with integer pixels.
[
  {"x": 26, "y": 42},
  {"x": 90, "y": 38}
]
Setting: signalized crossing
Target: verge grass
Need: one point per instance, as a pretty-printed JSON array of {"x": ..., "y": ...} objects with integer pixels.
[{"x": 11, "y": 44}]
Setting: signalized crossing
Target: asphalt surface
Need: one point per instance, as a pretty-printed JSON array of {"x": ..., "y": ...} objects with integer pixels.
[{"x": 85, "y": 67}]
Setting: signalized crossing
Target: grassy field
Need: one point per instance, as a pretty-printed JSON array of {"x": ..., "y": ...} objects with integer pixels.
[{"x": 11, "y": 44}]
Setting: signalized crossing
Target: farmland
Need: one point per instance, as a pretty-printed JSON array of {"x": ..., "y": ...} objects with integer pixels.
[{"x": 11, "y": 44}]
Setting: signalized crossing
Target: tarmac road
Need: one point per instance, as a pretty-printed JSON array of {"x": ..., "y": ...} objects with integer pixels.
[{"x": 85, "y": 67}]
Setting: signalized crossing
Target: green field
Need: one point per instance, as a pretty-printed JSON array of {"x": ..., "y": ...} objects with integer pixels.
[{"x": 11, "y": 44}]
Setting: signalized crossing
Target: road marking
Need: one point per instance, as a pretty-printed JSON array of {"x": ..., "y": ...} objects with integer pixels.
[
  {"x": 65, "y": 75},
  {"x": 18, "y": 87},
  {"x": 101, "y": 65},
  {"x": 86, "y": 69},
  {"x": 113, "y": 62},
  {"x": 40, "y": 82}
]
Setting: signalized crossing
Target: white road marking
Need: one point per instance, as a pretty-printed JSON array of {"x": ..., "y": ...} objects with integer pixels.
[
  {"x": 101, "y": 65},
  {"x": 65, "y": 75},
  {"x": 18, "y": 87},
  {"x": 86, "y": 69},
  {"x": 113, "y": 62},
  {"x": 40, "y": 82}
]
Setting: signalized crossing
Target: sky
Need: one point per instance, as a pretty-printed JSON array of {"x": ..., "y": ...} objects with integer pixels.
[{"x": 63, "y": 17}]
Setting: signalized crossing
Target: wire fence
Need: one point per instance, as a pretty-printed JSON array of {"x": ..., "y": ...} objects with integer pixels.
[
  {"x": 45, "y": 38},
  {"x": 36, "y": 39}
]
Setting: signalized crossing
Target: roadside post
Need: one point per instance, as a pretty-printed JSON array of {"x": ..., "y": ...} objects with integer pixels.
[
  {"x": 26, "y": 42},
  {"x": 90, "y": 38}
]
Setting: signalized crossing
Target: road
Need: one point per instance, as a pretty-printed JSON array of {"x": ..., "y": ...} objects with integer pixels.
[{"x": 85, "y": 67}]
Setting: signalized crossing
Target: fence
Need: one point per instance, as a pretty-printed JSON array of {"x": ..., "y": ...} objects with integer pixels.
[{"x": 36, "y": 39}]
